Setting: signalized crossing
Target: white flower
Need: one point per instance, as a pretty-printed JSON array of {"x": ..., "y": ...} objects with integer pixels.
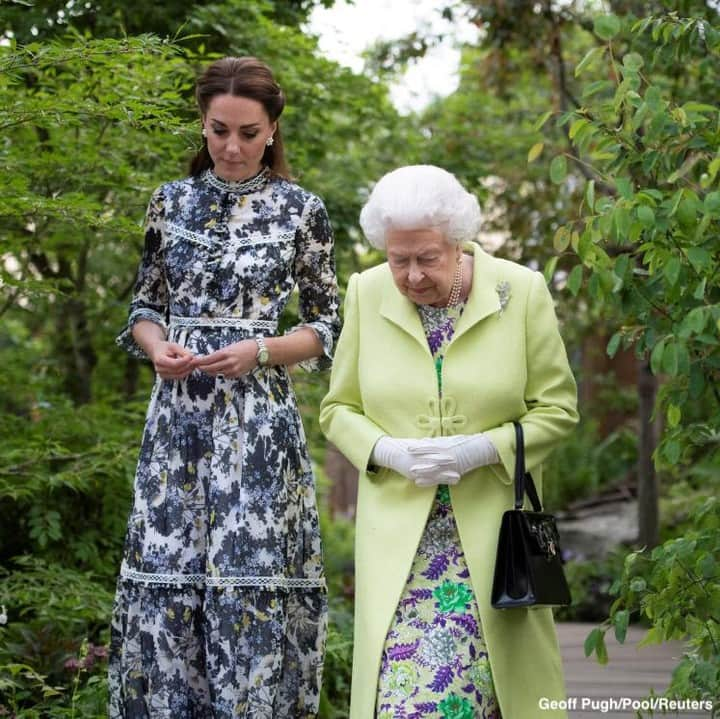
[
  {"x": 503, "y": 290},
  {"x": 439, "y": 647},
  {"x": 3, "y": 615}
]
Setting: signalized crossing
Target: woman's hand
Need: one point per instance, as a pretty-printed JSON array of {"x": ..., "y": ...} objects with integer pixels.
[
  {"x": 234, "y": 360},
  {"x": 171, "y": 360}
]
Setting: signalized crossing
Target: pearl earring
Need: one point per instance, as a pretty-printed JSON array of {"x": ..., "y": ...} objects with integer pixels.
[
  {"x": 270, "y": 141},
  {"x": 204, "y": 132}
]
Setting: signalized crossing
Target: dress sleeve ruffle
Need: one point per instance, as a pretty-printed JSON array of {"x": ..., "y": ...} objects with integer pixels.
[{"x": 126, "y": 340}]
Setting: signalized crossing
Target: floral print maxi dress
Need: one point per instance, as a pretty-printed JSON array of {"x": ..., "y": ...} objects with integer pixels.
[
  {"x": 221, "y": 600},
  {"x": 434, "y": 662}
]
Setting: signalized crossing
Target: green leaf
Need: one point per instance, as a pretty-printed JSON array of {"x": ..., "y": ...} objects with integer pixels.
[
  {"x": 585, "y": 243},
  {"x": 695, "y": 320},
  {"x": 607, "y": 26},
  {"x": 672, "y": 451},
  {"x": 646, "y": 215},
  {"x": 653, "y": 97},
  {"x": 589, "y": 57},
  {"x": 574, "y": 281},
  {"x": 561, "y": 240},
  {"x": 621, "y": 219},
  {"x": 696, "y": 385},
  {"x": 686, "y": 212},
  {"x": 638, "y": 585},
  {"x": 542, "y": 120},
  {"x": 549, "y": 271},
  {"x": 636, "y": 230},
  {"x": 671, "y": 359},
  {"x": 591, "y": 641},
  {"x": 633, "y": 61},
  {"x": 699, "y": 107},
  {"x": 674, "y": 415},
  {"x": 614, "y": 344},
  {"x": 651, "y": 194},
  {"x": 656, "y": 357},
  {"x": 640, "y": 115},
  {"x": 601, "y": 650},
  {"x": 577, "y": 126},
  {"x": 713, "y": 169},
  {"x": 707, "y": 566},
  {"x": 621, "y": 621},
  {"x": 590, "y": 194},
  {"x": 558, "y": 169},
  {"x": 702, "y": 227},
  {"x": 672, "y": 270},
  {"x": 535, "y": 151},
  {"x": 712, "y": 203},
  {"x": 621, "y": 265},
  {"x": 699, "y": 258},
  {"x": 654, "y": 636},
  {"x": 677, "y": 199},
  {"x": 595, "y": 87},
  {"x": 624, "y": 187}
]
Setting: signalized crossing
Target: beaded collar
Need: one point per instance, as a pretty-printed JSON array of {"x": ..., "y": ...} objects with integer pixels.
[{"x": 237, "y": 187}]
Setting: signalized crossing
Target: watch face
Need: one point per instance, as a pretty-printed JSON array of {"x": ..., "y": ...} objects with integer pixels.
[{"x": 263, "y": 354}]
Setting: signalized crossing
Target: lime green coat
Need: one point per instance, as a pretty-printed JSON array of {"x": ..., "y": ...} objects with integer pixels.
[{"x": 504, "y": 363}]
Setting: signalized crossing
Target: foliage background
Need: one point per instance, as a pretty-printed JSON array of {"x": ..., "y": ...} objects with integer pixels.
[{"x": 592, "y": 143}]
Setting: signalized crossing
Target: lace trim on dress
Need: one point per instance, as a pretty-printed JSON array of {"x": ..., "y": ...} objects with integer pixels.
[
  {"x": 186, "y": 234},
  {"x": 268, "y": 325},
  {"x": 239, "y": 187},
  {"x": 263, "y": 582}
]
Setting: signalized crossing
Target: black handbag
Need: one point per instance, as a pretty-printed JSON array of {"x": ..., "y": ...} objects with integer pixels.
[{"x": 528, "y": 567}]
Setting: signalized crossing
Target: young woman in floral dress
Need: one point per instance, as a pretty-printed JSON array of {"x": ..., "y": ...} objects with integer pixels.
[{"x": 221, "y": 601}]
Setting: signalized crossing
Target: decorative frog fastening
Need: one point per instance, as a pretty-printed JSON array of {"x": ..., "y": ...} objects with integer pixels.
[{"x": 441, "y": 419}]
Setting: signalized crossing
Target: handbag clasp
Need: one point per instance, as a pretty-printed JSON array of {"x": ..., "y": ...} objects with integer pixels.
[{"x": 546, "y": 538}]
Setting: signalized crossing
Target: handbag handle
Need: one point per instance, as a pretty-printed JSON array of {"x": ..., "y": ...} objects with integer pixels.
[{"x": 523, "y": 479}]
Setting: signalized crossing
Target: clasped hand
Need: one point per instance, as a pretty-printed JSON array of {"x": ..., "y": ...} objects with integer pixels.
[
  {"x": 435, "y": 460},
  {"x": 173, "y": 361}
]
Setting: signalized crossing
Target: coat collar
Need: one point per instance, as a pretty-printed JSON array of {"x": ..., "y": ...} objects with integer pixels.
[{"x": 482, "y": 301}]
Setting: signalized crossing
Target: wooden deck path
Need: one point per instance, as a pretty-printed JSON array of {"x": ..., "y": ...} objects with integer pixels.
[{"x": 631, "y": 672}]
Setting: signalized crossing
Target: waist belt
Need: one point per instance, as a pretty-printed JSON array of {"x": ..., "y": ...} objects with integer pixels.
[{"x": 239, "y": 322}]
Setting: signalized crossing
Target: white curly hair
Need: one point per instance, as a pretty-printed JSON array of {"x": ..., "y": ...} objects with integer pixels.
[{"x": 419, "y": 197}]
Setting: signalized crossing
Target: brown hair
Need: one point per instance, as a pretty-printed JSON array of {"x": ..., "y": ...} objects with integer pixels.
[{"x": 242, "y": 77}]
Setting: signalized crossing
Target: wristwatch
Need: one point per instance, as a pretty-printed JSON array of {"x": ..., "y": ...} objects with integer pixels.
[{"x": 263, "y": 354}]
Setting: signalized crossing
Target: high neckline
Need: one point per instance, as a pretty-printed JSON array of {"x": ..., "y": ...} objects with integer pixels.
[
  {"x": 441, "y": 313},
  {"x": 237, "y": 187}
]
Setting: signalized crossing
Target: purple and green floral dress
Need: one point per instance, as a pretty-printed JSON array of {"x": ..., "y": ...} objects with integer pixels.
[{"x": 435, "y": 663}]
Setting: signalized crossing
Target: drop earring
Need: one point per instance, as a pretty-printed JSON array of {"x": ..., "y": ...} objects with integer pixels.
[
  {"x": 269, "y": 141},
  {"x": 204, "y": 132}
]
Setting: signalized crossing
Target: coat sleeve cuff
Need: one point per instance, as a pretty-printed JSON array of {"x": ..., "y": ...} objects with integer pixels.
[{"x": 503, "y": 437}]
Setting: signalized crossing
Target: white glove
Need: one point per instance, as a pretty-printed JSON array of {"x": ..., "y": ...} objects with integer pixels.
[
  {"x": 468, "y": 451},
  {"x": 424, "y": 469},
  {"x": 392, "y": 453}
]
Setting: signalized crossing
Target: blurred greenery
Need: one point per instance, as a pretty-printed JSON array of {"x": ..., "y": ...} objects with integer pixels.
[{"x": 605, "y": 177}]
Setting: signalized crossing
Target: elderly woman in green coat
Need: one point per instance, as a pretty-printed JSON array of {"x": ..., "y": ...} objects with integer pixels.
[{"x": 443, "y": 347}]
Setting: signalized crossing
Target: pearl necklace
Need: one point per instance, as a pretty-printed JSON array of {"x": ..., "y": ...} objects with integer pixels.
[{"x": 456, "y": 288}]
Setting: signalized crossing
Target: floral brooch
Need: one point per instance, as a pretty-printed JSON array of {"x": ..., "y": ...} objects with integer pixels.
[{"x": 503, "y": 292}]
